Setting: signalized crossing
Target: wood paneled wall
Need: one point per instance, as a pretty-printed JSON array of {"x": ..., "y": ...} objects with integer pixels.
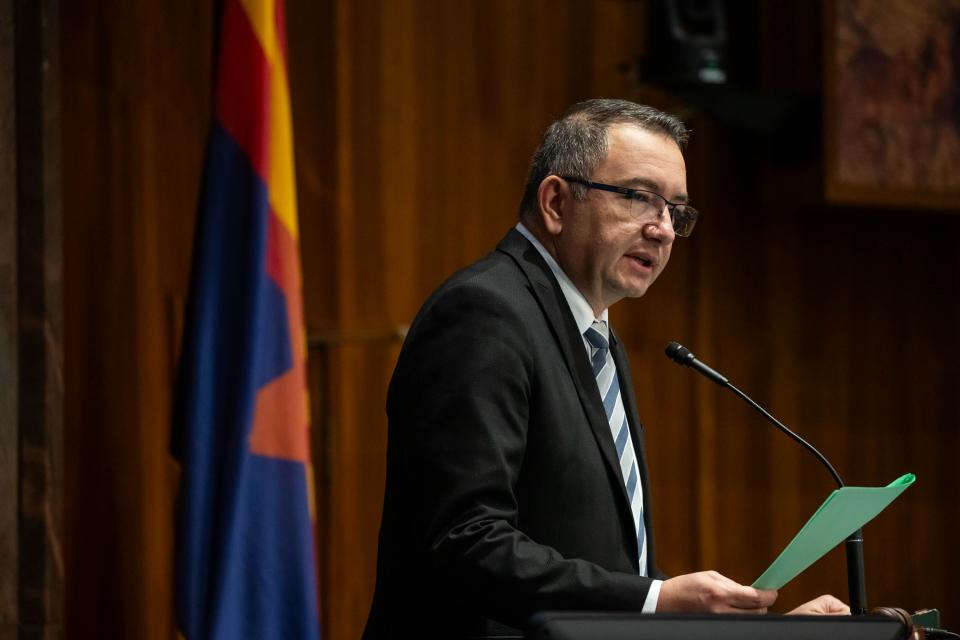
[
  {"x": 136, "y": 96},
  {"x": 414, "y": 125}
]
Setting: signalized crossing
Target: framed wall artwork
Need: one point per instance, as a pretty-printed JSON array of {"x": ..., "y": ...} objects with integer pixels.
[{"x": 892, "y": 102}]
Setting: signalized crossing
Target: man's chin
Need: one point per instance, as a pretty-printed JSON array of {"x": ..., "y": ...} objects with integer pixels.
[
  {"x": 636, "y": 289},
  {"x": 630, "y": 292},
  {"x": 628, "y": 287}
]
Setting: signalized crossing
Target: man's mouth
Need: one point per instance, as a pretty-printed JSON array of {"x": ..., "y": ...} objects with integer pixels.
[{"x": 645, "y": 261}]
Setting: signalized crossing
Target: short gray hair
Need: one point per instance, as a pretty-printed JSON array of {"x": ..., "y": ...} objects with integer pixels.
[{"x": 576, "y": 144}]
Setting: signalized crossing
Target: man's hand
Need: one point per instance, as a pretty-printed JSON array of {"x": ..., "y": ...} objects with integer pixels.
[
  {"x": 825, "y": 605},
  {"x": 710, "y": 592}
]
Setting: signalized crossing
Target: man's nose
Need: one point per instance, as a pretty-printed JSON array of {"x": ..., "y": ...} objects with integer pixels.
[{"x": 661, "y": 230}]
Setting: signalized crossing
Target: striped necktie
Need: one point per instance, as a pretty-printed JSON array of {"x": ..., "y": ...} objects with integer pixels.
[{"x": 605, "y": 373}]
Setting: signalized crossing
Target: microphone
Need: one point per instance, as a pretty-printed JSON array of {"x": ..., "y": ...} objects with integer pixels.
[
  {"x": 681, "y": 355},
  {"x": 854, "y": 545}
]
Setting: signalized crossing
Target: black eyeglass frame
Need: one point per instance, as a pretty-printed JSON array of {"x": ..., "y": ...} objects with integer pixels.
[{"x": 688, "y": 213}]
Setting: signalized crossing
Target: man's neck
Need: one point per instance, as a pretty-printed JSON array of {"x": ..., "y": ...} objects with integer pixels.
[
  {"x": 548, "y": 243},
  {"x": 583, "y": 311}
]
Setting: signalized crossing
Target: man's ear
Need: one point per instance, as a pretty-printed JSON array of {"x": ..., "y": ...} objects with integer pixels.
[{"x": 553, "y": 198}]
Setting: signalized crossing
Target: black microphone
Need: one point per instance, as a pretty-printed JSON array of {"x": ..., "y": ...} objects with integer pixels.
[
  {"x": 681, "y": 355},
  {"x": 855, "y": 573}
]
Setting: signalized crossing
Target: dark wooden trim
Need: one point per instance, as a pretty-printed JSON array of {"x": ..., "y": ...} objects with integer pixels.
[
  {"x": 38, "y": 370},
  {"x": 9, "y": 573}
]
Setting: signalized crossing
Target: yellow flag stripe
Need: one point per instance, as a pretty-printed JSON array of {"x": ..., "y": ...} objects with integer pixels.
[
  {"x": 261, "y": 14},
  {"x": 280, "y": 178}
]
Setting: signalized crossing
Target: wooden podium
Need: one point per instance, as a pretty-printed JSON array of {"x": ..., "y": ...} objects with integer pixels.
[{"x": 631, "y": 626}]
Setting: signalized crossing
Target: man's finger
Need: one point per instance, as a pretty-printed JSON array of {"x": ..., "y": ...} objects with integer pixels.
[
  {"x": 750, "y": 598},
  {"x": 824, "y": 605}
]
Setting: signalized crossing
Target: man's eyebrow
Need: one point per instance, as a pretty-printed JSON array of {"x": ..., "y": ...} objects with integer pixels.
[{"x": 652, "y": 185}]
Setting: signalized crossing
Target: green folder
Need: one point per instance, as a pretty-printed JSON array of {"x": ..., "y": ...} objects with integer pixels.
[{"x": 843, "y": 512}]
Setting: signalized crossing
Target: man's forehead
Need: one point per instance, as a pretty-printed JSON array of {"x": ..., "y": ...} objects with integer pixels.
[{"x": 645, "y": 159}]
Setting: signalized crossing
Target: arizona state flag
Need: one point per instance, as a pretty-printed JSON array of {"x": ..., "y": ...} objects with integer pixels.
[{"x": 245, "y": 563}]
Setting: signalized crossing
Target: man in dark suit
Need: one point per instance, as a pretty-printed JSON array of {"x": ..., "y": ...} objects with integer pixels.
[{"x": 516, "y": 467}]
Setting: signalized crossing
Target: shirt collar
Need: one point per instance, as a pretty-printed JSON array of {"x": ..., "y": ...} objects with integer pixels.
[{"x": 579, "y": 307}]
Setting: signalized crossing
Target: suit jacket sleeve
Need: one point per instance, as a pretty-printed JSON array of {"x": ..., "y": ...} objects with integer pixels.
[{"x": 459, "y": 409}]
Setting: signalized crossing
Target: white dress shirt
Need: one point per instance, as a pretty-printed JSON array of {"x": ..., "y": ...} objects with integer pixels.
[{"x": 584, "y": 318}]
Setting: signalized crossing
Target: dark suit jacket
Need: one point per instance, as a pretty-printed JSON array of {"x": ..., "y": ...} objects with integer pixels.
[{"x": 504, "y": 494}]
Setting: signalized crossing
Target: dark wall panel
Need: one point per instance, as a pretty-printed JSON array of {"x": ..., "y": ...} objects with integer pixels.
[{"x": 136, "y": 95}]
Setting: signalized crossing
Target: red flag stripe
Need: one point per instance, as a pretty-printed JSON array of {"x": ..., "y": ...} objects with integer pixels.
[{"x": 243, "y": 88}]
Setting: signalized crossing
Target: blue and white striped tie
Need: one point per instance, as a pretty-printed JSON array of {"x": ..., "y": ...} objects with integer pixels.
[{"x": 605, "y": 372}]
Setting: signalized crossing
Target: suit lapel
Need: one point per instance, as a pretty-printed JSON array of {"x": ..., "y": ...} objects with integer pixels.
[{"x": 554, "y": 305}]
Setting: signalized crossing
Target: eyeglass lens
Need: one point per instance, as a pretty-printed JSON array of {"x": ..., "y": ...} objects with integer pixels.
[{"x": 650, "y": 205}]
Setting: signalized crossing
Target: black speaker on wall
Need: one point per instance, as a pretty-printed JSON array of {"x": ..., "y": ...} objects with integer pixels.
[
  {"x": 688, "y": 43},
  {"x": 706, "y": 53}
]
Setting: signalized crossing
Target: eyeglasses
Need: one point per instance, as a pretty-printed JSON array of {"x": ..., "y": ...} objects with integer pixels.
[{"x": 649, "y": 204}]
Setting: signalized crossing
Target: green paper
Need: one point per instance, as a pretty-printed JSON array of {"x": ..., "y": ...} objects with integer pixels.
[{"x": 842, "y": 513}]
